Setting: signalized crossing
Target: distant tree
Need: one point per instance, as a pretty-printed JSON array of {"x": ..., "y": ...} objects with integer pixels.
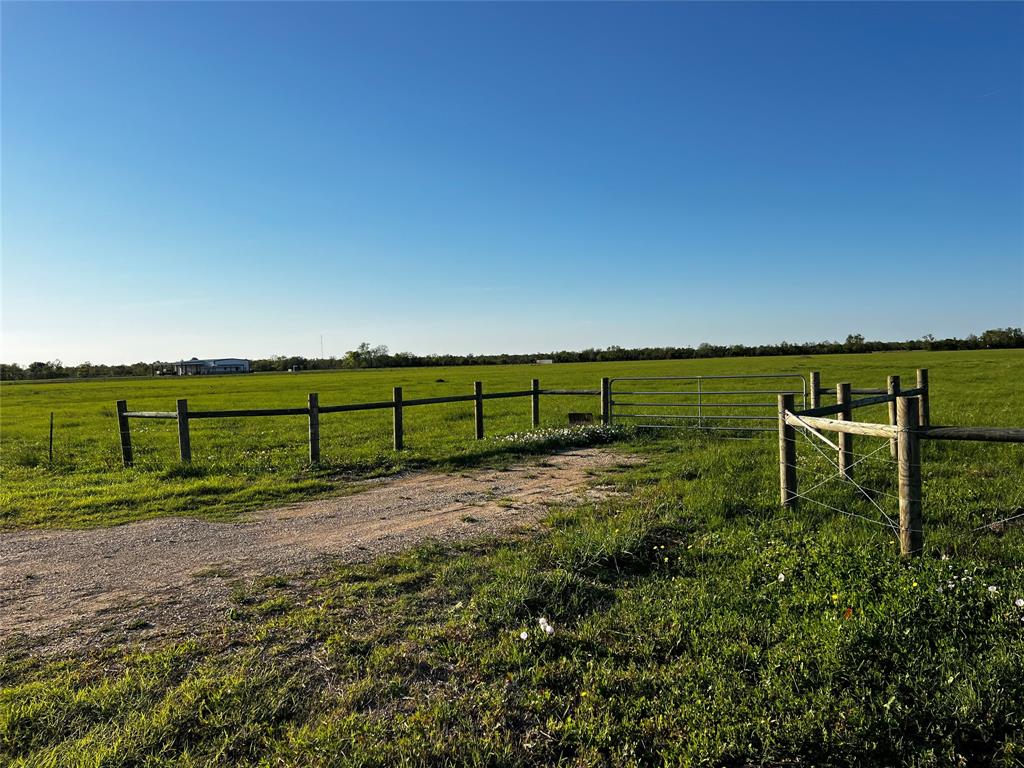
[
  {"x": 1002, "y": 338},
  {"x": 11, "y": 372},
  {"x": 365, "y": 356},
  {"x": 358, "y": 357}
]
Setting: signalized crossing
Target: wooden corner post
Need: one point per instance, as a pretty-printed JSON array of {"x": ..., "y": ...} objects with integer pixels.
[
  {"x": 787, "y": 454},
  {"x": 924, "y": 408},
  {"x": 893, "y": 388},
  {"x": 606, "y": 401},
  {"x": 845, "y": 439},
  {"x": 815, "y": 389},
  {"x": 478, "y": 408},
  {"x": 184, "y": 439},
  {"x": 398, "y": 420},
  {"x": 535, "y": 402},
  {"x": 909, "y": 458},
  {"x": 125, "y": 432},
  {"x": 314, "y": 428}
]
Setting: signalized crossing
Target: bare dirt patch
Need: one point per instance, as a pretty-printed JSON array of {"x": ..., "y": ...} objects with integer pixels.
[{"x": 66, "y": 589}]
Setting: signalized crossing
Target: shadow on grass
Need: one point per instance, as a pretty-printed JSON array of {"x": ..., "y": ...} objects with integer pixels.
[{"x": 499, "y": 452}]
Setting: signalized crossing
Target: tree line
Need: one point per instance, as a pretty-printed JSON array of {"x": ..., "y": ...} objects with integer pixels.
[{"x": 365, "y": 356}]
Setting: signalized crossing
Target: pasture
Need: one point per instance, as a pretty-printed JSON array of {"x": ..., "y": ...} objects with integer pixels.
[
  {"x": 694, "y": 621},
  {"x": 241, "y": 464}
]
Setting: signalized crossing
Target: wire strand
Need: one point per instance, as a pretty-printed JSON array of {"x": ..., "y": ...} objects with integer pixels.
[
  {"x": 845, "y": 512},
  {"x": 854, "y": 482}
]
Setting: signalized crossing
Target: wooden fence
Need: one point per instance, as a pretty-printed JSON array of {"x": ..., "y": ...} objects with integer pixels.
[
  {"x": 909, "y": 423},
  {"x": 314, "y": 410}
]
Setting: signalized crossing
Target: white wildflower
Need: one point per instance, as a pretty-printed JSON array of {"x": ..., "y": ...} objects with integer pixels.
[
  {"x": 1019, "y": 602},
  {"x": 782, "y": 577},
  {"x": 524, "y": 635},
  {"x": 993, "y": 589},
  {"x": 545, "y": 626}
]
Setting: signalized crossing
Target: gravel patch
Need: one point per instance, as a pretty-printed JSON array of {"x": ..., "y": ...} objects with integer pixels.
[{"x": 64, "y": 590}]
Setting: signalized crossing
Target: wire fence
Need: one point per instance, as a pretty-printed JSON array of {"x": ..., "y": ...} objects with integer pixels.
[{"x": 872, "y": 498}]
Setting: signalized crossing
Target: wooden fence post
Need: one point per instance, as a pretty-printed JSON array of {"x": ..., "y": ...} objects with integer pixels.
[
  {"x": 911, "y": 535},
  {"x": 478, "y": 408},
  {"x": 606, "y": 397},
  {"x": 924, "y": 412},
  {"x": 845, "y": 440},
  {"x": 125, "y": 431},
  {"x": 535, "y": 402},
  {"x": 787, "y": 454},
  {"x": 314, "y": 428},
  {"x": 184, "y": 439},
  {"x": 398, "y": 421},
  {"x": 815, "y": 386},
  {"x": 893, "y": 388}
]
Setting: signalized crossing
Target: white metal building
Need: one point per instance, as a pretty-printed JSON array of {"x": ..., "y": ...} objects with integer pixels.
[{"x": 197, "y": 367}]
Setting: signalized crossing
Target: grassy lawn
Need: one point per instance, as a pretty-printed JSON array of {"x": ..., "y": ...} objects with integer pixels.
[
  {"x": 242, "y": 464},
  {"x": 694, "y": 621}
]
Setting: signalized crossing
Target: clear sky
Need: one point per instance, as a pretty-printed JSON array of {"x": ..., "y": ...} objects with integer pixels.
[{"x": 237, "y": 179}]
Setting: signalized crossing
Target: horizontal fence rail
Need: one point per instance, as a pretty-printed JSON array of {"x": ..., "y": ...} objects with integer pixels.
[
  {"x": 977, "y": 434},
  {"x": 828, "y": 410},
  {"x": 842, "y": 427},
  {"x": 244, "y": 412},
  {"x": 313, "y": 411}
]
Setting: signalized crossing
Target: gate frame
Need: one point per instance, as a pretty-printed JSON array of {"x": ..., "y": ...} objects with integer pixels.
[{"x": 701, "y": 403}]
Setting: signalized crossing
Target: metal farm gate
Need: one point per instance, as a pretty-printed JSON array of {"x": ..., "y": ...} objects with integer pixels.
[{"x": 718, "y": 403}]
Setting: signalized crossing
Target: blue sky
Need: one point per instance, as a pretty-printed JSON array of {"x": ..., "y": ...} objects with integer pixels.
[{"x": 237, "y": 179}]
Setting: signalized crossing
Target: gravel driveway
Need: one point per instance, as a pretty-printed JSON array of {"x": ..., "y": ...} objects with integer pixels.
[{"x": 67, "y": 589}]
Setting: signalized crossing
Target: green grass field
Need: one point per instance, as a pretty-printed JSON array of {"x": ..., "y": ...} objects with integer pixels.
[
  {"x": 240, "y": 464},
  {"x": 695, "y": 621}
]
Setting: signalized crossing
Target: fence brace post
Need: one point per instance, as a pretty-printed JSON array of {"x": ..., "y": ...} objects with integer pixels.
[
  {"x": 911, "y": 534},
  {"x": 893, "y": 387},
  {"x": 398, "y": 421},
  {"x": 815, "y": 386},
  {"x": 125, "y": 431},
  {"x": 845, "y": 440},
  {"x": 314, "y": 428},
  {"x": 787, "y": 455},
  {"x": 478, "y": 408},
  {"x": 184, "y": 440},
  {"x": 924, "y": 410},
  {"x": 535, "y": 402}
]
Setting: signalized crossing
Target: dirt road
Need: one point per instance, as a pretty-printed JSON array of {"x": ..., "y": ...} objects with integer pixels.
[{"x": 69, "y": 589}]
